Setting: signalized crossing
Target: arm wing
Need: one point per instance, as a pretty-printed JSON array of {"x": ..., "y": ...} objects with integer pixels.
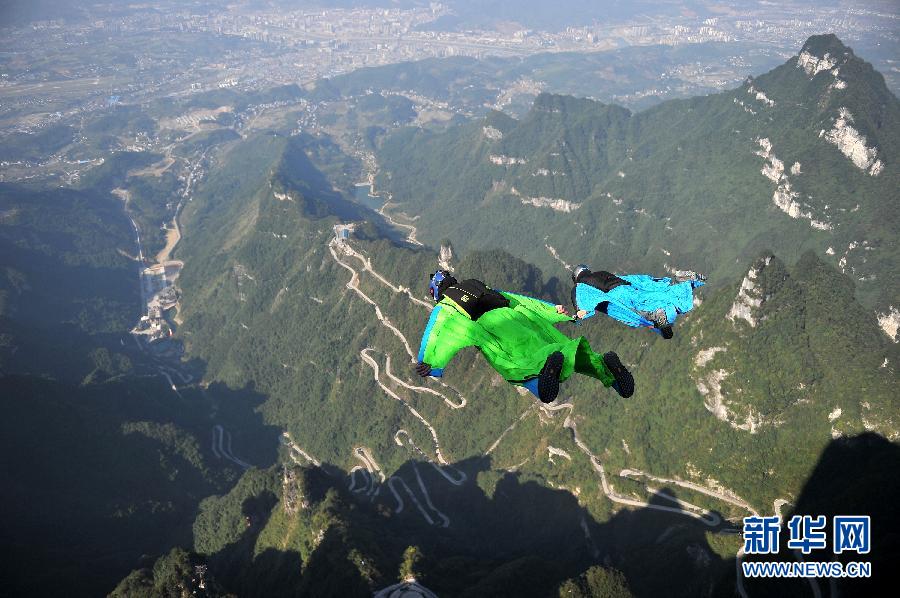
[
  {"x": 542, "y": 308},
  {"x": 446, "y": 333},
  {"x": 625, "y": 315},
  {"x": 588, "y": 298}
]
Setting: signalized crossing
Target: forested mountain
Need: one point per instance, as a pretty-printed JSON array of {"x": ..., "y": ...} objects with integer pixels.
[
  {"x": 104, "y": 462},
  {"x": 67, "y": 289},
  {"x": 105, "y": 455},
  {"x": 270, "y": 306},
  {"x": 97, "y": 476},
  {"x": 803, "y": 157},
  {"x": 300, "y": 313},
  {"x": 630, "y": 74}
]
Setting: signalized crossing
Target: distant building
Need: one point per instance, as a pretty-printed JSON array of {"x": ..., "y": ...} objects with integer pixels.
[{"x": 405, "y": 589}]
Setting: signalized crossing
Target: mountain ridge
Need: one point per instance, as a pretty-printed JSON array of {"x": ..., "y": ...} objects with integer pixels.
[
  {"x": 681, "y": 177},
  {"x": 334, "y": 371},
  {"x": 300, "y": 313}
]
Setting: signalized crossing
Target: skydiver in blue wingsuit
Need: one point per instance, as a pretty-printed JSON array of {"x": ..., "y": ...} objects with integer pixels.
[{"x": 635, "y": 299}]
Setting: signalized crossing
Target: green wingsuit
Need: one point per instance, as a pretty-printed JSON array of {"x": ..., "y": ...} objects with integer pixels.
[{"x": 515, "y": 334}]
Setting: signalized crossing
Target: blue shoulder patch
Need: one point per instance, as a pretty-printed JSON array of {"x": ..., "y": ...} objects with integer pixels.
[{"x": 427, "y": 333}]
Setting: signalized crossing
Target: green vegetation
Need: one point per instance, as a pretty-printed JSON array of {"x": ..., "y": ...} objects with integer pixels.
[
  {"x": 503, "y": 271},
  {"x": 177, "y": 574},
  {"x": 121, "y": 469},
  {"x": 151, "y": 203},
  {"x": 113, "y": 471},
  {"x": 206, "y": 139},
  {"x": 148, "y": 188},
  {"x": 318, "y": 389},
  {"x": 376, "y": 109},
  {"x": 122, "y": 120},
  {"x": 609, "y": 76},
  {"x": 104, "y": 457},
  {"x": 222, "y": 519},
  {"x": 813, "y": 351},
  {"x": 36, "y": 147},
  {"x": 596, "y": 582},
  {"x": 678, "y": 185},
  {"x": 67, "y": 285},
  {"x": 244, "y": 319},
  {"x": 115, "y": 170},
  {"x": 410, "y": 568}
]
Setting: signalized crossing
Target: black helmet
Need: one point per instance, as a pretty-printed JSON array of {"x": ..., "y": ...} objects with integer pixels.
[{"x": 579, "y": 271}]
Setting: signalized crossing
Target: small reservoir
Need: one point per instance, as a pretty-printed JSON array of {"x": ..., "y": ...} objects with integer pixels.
[{"x": 363, "y": 195}]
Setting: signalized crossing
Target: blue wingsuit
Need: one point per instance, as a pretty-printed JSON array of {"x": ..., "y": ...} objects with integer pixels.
[{"x": 623, "y": 297}]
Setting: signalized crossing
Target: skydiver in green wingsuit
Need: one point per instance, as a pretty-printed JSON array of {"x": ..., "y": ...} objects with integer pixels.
[{"x": 515, "y": 334}]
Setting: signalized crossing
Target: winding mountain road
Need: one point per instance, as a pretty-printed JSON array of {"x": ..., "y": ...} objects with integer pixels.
[
  {"x": 728, "y": 498},
  {"x": 367, "y": 266},
  {"x": 370, "y": 466},
  {"x": 222, "y": 446},
  {"x": 396, "y": 380},
  {"x": 411, "y": 237},
  {"x": 402, "y": 437},
  {"x": 375, "y": 369},
  {"x": 509, "y": 429},
  {"x": 353, "y": 285},
  {"x": 294, "y": 448},
  {"x": 438, "y": 512},
  {"x": 461, "y": 476},
  {"x": 352, "y": 484},
  {"x": 706, "y": 517},
  {"x": 393, "y": 480}
]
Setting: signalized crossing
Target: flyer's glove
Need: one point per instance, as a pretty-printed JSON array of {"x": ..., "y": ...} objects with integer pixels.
[{"x": 423, "y": 369}]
